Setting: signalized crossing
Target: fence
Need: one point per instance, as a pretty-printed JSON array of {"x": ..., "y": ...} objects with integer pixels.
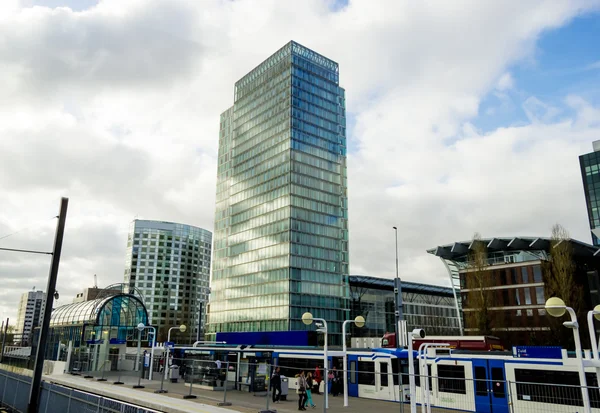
[{"x": 14, "y": 392}]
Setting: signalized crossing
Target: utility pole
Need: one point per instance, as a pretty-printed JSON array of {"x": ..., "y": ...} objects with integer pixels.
[
  {"x": 36, "y": 383},
  {"x": 397, "y": 296}
]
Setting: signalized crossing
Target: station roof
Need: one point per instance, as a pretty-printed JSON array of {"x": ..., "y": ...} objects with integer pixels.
[
  {"x": 388, "y": 284},
  {"x": 461, "y": 249},
  {"x": 120, "y": 310}
]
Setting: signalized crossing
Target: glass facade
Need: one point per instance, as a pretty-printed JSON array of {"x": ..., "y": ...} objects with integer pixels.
[
  {"x": 281, "y": 220},
  {"x": 590, "y": 174},
  {"x": 169, "y": 264},
  {"x": 424, "y": 306}
]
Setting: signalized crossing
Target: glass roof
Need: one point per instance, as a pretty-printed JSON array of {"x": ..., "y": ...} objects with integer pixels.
[{"x": 122, "y": 310}]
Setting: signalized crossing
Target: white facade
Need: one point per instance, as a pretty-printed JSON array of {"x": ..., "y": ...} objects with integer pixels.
[
  {"x": 29, "y": 316},
  {"x": 169, "y": 264}
]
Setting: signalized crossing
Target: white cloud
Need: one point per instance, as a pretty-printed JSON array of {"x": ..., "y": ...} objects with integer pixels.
[
  {"x": 117, "y": 106},
  {"x": 505, "y": 82}
]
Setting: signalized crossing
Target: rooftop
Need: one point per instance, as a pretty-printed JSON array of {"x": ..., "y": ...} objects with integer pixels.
[
  {"x": 388, "y": 283},
  {"x": 459, "y": 251}
]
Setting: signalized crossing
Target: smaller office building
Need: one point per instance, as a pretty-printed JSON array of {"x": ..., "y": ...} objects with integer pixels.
[
  {"x": 515, "y": 280},
  {"x": 29, "y": 316},
  {"x": 426, "y": 306},
  {"x": 104, "y": 326}
]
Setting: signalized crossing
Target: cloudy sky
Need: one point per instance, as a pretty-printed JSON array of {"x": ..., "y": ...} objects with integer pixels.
[{"x": 464, "y": 116}]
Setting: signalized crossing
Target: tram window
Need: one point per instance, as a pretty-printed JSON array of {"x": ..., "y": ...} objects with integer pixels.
[
  {"x": 384, "y": 374},
  {"x": 366, "y": 373},
  {"x": 353, "y": 372},
  {"x": 451, "y": 379},
  {"x": 480, "y": 381},
  {"x": 498, "y": 382},
  {"x": 547, "y": 386}
]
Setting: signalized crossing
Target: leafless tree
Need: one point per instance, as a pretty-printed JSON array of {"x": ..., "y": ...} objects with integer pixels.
[
  {"x": 559, "y": 280},
  {"x": 479, "y": 281}
]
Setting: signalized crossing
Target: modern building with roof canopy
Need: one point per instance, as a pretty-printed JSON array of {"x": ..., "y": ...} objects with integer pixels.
[
  {"x": 425, "y": 306},
  {"x": 105, "y": 324},
  {"x": 517, "y": 277}
]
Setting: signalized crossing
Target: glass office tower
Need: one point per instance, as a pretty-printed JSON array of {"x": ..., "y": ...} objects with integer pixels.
[
  {"x": 281, "y": 222},
  {"x": 590, "y": 174}
]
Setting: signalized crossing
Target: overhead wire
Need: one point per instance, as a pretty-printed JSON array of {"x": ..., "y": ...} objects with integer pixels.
[{"x": 26, "y": 228}]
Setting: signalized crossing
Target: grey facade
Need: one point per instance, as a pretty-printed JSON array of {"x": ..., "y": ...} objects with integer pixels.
[{"x": 169, "y": 264}]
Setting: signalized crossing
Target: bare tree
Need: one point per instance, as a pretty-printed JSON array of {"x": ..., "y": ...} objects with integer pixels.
[
  {"x": 479, "y": 281},
  {"x": 559, "y": 280}
]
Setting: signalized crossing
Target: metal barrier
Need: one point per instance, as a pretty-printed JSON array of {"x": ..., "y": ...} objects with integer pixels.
[{"x": 14, "y": 393}]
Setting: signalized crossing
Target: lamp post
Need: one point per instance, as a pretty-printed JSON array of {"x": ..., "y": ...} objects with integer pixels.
[
  {"x": 416, "y": 333},
  {"x": 359, "y": 322},
  {"x": 595, "y": 313},
  {"x": 141, "y": 327},
  {"x": 181, "y": 328},
  {"x": 557, "y": 308},
  {"x": 397, "y": 293},
  {"x": 307, "y": 319}
]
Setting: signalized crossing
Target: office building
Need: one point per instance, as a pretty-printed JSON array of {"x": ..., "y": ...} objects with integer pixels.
[
  {"x": 515, "y": 282},
  {"x": 29, "y": 315},
  {"x": 281, "y": 221},
  {"x": 590, "y": 175},
  {"x": 426, "y": 306},
  {"x": 169, "y": 265}
]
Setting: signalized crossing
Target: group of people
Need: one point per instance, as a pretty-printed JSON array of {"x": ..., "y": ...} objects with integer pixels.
[{"x": 307, "y": 383}]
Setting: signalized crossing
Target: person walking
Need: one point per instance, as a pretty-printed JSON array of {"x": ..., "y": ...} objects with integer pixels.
[
  {"x": 317, "y": 379},
  {"x": 335, "y": 382},
  {"x": 301, "y": 391},
  {"x": 276, "y": 385},
  {"x": 309, "y": 386}
]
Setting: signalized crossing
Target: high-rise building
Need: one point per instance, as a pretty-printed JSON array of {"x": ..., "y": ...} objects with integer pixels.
[
  {"x": 29, "y": 315},
  {"x": 590, "y": 174},
  {"x": 281, "y": 222},
  {"x": 169, "y": 264}
]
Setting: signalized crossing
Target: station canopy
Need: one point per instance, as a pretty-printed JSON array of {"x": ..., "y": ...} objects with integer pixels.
[{"x": 112, "y": 309}]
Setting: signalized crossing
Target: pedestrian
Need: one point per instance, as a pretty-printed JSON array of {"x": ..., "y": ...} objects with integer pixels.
[
  {"x": 276, "y": 385},
  {"x": 301, "y": 391},
  {"x": 309, "y": 385},
  {"x": 317, "y": 379},
  {"x": 335, "y": 387}
]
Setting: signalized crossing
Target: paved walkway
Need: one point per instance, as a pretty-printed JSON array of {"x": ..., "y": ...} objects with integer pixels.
[{"x": 207, "y": 400}]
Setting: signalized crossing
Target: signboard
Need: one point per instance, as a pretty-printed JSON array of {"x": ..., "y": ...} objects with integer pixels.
[
  {"x": 117, "y": 341},
  {"x": 537, "y": 352},
  {"x": 95, "y": 342},
  {"x": 170, "y": 344},
  {"x": 146, "y": 359}
]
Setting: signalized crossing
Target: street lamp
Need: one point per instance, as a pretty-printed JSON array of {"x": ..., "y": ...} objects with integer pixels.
[
  {"x": 359, "y": 322},
  {"x": 556, "y": 307},
  {"x": 141, "y": 327},
  {"x": 416, "y": 333},
  {"x": 307, "y": 319},
  {"x": 181, "y": 328},
  {"x": 595, "y": 313}
]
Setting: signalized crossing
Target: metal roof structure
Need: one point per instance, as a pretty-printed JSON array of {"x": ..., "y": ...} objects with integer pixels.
[
  {"x": 119, "y": 310},
  {"x": 388, "y": 284},
  {"x": 460, "y": 250}
]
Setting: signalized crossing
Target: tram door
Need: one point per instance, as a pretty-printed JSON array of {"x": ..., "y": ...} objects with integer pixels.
[
  {"x": 384, "y": 381},
  {"x": 490, "y": 386}
]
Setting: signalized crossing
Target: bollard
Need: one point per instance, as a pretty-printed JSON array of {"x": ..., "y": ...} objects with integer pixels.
[
  {"x": 119, "y": 379},
  {"x": 190, "y": 395},
  {"x": 139, "y": 385},
  {"x": 225, "y": 402}
]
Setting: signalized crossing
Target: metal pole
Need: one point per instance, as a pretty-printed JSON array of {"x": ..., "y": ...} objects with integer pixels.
[
  {"x": 225, "y": 402},
  {"x": 4, "y": 339},
  {"x": 162, "y": 380},
  {"x": 345, "y": 362},
  {"x": 190, "y": 395},
  {"x": 594, "y": 342},
  {"x": 411, "y": 375},
  {"x": 397, "y": 293},
  {"x": 119, "y": 370},
  {"x": 139, "y": 385},
  {"x": 199, "y": 322},
  {"x": 583, "y": 382},
  {"x": 270, "y": 372},
  {"x": 326, "y": 404},
  {"x": 36, "y": 383},
  {"x": 139, "y": 350},
  {"x": 152, "y": 352}
]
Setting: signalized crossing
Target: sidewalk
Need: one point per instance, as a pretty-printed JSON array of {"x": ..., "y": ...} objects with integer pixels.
[{"x": 206, "y": 401}]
